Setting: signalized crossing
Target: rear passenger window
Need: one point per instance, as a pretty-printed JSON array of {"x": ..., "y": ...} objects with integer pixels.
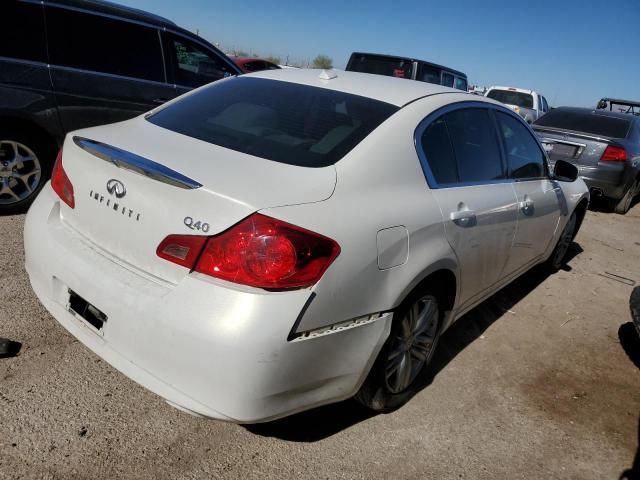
[
  {"x": 525, "y": 157},
  {"x": 101, "y": 44},
  {"x": 447, "y": 80},
  {"x": 22, "y": 31},
  {"x": 192, "y": 65},
  {"x": 437, "y": 148},
  {"x": 475, "y": 145}
]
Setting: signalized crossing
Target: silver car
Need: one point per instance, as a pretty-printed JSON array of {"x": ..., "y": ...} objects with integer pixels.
[{"x": 290, "y": 238}]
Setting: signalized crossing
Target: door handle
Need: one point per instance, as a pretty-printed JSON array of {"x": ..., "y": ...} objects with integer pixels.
[
  {"x": 463, "y": 218},
  {"x": 160, "y": 101},
  {"x": 526, "y": 206}
]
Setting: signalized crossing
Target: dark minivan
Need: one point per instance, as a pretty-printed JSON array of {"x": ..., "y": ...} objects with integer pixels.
[
  {"x": 406, "y": 67},
  {"x": 69, "y": 64}
]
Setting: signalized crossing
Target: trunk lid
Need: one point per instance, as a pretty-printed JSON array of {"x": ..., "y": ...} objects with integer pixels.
[
  {"x": 168, "y": 183},
  {"x": 577, "y": 148}
]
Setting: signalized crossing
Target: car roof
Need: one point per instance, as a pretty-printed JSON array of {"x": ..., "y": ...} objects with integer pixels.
[
  {"x": 396, "y": 91},
  {"x": 516, "y": 89},
  {"x": 109, "y": 8},
  {"x": 594, "y": 111},
  {"x": 411, "y": 59}
]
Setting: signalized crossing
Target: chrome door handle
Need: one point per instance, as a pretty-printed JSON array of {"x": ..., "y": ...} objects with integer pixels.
[
  {"x": 526, "y": 206},
  {"x": 463, "y": 218}
]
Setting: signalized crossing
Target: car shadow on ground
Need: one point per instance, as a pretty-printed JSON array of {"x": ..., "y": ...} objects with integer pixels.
[
  {"x": 319, "y": 423},
  {"x": 630, "y": 342}
]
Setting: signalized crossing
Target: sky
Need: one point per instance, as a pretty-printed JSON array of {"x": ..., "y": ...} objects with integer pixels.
[{"x": 572, "y": 52}]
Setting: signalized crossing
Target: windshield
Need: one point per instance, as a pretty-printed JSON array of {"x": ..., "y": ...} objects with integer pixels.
[
  {"x": 586, "y": 122},
  {"x": 510, "y": 97},
  {"x": 280, "y": 121}
]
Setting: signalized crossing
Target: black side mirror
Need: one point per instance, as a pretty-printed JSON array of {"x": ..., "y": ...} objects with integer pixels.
[
  {"x": 602, "y": 105},
  {"x": 565, "y": 171}
]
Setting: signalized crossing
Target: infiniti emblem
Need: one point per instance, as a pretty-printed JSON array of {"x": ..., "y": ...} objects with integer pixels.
[{"x": 116, "y": 187}]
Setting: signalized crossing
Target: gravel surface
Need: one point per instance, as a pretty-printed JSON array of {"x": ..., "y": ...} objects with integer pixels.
[{"x": 541, "y": 381}]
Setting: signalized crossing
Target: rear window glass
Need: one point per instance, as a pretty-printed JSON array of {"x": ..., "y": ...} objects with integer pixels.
[
  {"x": 389, "y": 66},
  {"x": 280, "y": 121},
  {"x": 509, "y": 97},
  {"x": 585, "y": 122}
]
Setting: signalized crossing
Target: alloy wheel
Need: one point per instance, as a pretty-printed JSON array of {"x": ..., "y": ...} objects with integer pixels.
[
  {"x": 412, "y": 345},
  {"x": 20, "y": 172}
]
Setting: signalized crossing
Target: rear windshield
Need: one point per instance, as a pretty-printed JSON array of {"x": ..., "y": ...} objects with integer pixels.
[
  {"x": 280, "y": 121},
  {"x": 585, "y": 122},
  {"x": 389, "y": 66},
  {"x": 522, "y": 100}
]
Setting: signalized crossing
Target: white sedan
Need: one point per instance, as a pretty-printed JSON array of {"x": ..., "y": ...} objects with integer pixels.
[{"x": 286, "y": 239}]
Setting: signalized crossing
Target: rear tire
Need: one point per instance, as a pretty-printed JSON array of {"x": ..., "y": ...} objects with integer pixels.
[
  {"x": 556, "y": 260},
  {"x": 624, "y": 204},
  {"x": 394, "y": 377},
  {"x": 26, "y": 160}
]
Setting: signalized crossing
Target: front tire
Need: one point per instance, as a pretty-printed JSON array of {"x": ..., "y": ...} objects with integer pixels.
[
  {"x": 25, "y": 166},
  {"x": 556, "y": 260},
  {"x": 415, "y": 331}
]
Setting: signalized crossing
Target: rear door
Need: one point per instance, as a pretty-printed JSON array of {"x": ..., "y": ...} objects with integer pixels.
[
  {"x": 461, "y": 156},
  {"x": 103, "y": 69},
  {"x": 537, "y": 196}
]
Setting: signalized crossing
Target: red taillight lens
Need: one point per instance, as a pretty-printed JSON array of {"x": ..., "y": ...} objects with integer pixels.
[
  {"x": 614, "y": 154},
  {"x": 260, "y": 251},
  {"x": 61, "y": 183},
  {"x": 181, "y": 249}
]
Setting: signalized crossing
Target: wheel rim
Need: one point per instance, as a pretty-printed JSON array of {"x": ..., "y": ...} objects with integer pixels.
[
  {"x": 20, "y": 172},
  {"x": 412, "y": 345},
  {"x": 565, "y": 241}
]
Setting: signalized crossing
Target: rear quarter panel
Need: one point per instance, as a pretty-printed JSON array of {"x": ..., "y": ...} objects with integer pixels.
[{"x": 380, "y": 185}]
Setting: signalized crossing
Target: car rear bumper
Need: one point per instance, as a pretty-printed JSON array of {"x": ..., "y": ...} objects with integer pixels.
[
  {"x": 609, "y": 180},
  {"x": 210, "y": 348}
]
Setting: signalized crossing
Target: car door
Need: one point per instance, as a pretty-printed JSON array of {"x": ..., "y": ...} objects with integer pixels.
[
  {"x": 103, "y": 69},
  {"x": 461, "y": 156},
  {"x": 537, "y": 195},
  {"x": 191, "y": 64}
]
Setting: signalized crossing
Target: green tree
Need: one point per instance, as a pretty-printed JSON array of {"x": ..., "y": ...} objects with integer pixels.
[{"x": 323, "y": 61}]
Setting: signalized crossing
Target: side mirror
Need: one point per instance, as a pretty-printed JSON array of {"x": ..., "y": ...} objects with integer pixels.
[
  {"x": 602, "y": 105},
  {"x": 565, "y": 171}
]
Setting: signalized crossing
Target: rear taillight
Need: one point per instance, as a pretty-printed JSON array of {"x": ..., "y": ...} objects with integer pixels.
[
  {"x": 614, "y": 154},
  {"x": 181, "y": 249},
  {"x": 259, "y": 251},
  {"x": 61, "y": 183}
]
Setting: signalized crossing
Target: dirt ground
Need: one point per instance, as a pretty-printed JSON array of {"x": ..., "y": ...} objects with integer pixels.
[{"x": 538, "y": 382}]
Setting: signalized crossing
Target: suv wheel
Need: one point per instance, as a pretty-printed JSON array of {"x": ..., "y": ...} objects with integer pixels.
[
  {"x": 407, "y": 352},
  {"x": 24, "y": 169}
]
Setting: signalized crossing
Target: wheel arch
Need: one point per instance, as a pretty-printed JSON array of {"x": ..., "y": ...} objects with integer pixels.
[
  {"x": 442, "y": 276},
  {"x": 580, "y": 212},
  {"x": 26, "y": 124}
]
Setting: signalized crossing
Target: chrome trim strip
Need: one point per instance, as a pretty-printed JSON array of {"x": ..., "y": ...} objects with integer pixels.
[
  {"x": 340, "y": 327},
  {"x": 135, "y": 163}
]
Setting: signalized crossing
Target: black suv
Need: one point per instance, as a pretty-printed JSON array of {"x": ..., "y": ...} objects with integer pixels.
[{"x": 69, "y": 64}]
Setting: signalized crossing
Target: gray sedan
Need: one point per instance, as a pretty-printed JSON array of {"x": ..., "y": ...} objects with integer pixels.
[{"x": 605, "y": 146}]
